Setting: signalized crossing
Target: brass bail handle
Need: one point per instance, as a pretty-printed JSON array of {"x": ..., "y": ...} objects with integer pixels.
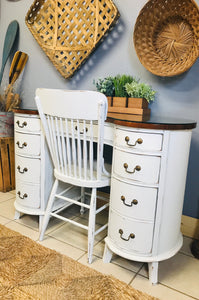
[
  {"x": 131, "y": 236},
  {"x": 137, "y": 168},
  {"x": 138, "y": 141},
  {"x": 22, "y": 146},
  {"x": 82, "y": 132},
  {"x": 22, "y": 125},
  {"x": 23, "y": 171},
  {"x": 22, "y": 197},
  {"x": 133, "y": 202}
]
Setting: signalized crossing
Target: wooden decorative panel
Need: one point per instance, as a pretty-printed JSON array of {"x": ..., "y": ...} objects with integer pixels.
[{"x": 69, "y": 30}]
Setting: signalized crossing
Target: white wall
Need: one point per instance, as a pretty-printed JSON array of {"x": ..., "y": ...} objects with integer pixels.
[{"x": 177, "y": 96}]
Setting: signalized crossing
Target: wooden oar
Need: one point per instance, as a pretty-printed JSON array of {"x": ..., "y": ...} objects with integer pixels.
[
  {"x": 18, "y": 63},
  {"x": 8, "y": 44},
  {"x": 17, "y": 66}
]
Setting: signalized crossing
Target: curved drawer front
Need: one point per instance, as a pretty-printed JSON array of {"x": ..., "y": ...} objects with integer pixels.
[
  {"x": 28, "y": 169},
  {"x": 141, "y": 168},
  {"x": 129, "y": 234},
  {"x": 27, "y": 144},
  {"x": 24, "y": 124},
  {"x": 28, "y": 194},
  {"x": 138, "y": 140},
  {"x": 133, "y": 201}
]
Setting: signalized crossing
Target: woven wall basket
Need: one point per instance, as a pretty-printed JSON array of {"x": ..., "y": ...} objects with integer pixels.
[
  {"x": 166, "y": 36},
  {"x": 69, "y": 30}
]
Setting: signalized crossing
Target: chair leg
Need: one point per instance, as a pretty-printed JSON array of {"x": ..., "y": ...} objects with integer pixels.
[
  {"x": 91, "y": 225},
  {"x": 48, "y": 210},
  {"x": 82, "y": 200}
]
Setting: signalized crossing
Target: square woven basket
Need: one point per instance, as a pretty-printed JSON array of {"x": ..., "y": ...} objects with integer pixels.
[{"x": 69, "y": 30}]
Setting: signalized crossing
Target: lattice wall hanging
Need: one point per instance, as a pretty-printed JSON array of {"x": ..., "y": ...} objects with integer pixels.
[
  {"x": 166, "y": 36},
  {"x": 69, "y": 30}
]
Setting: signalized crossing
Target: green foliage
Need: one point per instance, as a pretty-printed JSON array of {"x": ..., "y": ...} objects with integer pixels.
[
  {"x": 125, "y": 86},
  {"x": 140, "y": 90},
  {"x": 119, "y": 83},
  {"x": 105, "y": 86}
]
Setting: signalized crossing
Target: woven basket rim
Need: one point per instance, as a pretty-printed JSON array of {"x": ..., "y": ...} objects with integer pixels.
[{"x": 156, "y": 22}]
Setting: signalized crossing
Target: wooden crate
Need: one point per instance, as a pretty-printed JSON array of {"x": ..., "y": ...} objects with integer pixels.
[
  {"x": 123, "y": 105},
  {"x": 7, "y": 164}
]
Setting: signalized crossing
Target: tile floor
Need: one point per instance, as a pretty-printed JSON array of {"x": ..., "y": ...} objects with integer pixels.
[{"x": 178, "y": 276}]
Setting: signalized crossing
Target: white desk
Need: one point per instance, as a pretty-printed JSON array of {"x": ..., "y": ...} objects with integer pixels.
[{"x": 149, "y": 169}]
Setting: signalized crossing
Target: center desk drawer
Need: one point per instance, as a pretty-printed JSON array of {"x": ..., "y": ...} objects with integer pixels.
[
  {"x": 27, "y": 144},
  {"x": 139, "y": 140},
  {"x": 129, "y": 234},
  {"x": 133, "y": 201},
  {"x": 28, "y": 169},
  {"x": 138, "y": 167}
]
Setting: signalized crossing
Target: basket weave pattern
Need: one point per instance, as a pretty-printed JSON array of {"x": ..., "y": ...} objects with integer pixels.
[
  {"x": 69, "y": 30},
  {"x": 166, "y": 36}
]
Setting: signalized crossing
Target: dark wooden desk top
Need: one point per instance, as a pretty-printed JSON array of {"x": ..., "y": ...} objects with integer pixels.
[
  {"x": 151, "y": 122},
  {"x": 139, "y": 121}
]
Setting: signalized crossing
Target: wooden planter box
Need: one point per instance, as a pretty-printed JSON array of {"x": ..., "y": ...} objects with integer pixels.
[
  {"x": 7, "y": 164},
  {"x": 137, "y": 106}
]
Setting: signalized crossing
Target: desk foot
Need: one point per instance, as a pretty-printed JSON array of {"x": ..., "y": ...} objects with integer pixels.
[
  {"x": 153, "y": 272},
  {"x": 107, "y": 254},
  {"x": 40, "y": 222},
  {"x": 17, "y": 215}
]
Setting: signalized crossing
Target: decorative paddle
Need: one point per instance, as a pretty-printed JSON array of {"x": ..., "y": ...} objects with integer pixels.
[
  {"x": 18, "y": 63},
  {"x": 17, "y": 66},
  {"x": 8, "y": 44}
]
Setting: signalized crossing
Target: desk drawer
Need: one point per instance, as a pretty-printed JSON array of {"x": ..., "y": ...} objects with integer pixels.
[
  {"x": 27, "y": 144},
  {"x": 141, "y": 168},
  {"x": 28, "y": 194},
  {"x": 138, "y": 140},
  {"x": 28, "y": 169},
  {"x": 24, "y": 124},
  {"x": 133, "y": 201},
  {"x": 129, "y": 234}
]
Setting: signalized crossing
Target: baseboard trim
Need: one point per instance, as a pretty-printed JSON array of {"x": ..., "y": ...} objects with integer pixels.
[{"x": 190, "y": 227}]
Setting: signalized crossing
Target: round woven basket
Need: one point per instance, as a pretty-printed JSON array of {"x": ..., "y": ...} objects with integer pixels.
[{"x": 166, "y": 36}]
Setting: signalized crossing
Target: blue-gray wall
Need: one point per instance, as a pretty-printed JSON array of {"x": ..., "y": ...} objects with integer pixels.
[{"x": 178, "y": 96}]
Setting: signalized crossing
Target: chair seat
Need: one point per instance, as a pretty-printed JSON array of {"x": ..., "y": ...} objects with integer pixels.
[{"x": 104, "y": 181}]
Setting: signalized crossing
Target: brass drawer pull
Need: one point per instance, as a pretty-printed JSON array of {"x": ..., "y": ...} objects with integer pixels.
[
  {"x": 137, "y": 168},
  {"x": 131, "y": 235},
  {"x": 81, "y": 132},
  {"x": 139, "y": 141},
  {"x": 134, "y": 201},
  {"x": 23, "y": 171},
  {"x": 22, "y": 146},
  {"x": 23, "y": 124},
  {"x": 24, "y": 195}
]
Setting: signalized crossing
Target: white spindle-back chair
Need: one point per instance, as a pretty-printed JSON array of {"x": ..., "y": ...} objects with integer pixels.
[{"x": 73, "y": 121}]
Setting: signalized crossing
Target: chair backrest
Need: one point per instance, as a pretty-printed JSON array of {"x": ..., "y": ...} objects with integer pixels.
[{"x": 73, "y": 121}]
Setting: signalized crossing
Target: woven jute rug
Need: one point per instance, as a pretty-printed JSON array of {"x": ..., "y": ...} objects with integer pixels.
[{"x": 31, "y": 271}]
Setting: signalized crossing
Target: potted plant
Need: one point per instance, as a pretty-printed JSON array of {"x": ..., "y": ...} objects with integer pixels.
[
  {"x": 106, "y": 86},
  {"x": 140, "y": 94},
  {"x": 120, "y": 96}
]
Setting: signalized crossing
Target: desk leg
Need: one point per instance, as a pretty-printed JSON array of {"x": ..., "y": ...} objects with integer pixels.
[
  {"x": 17, "y": 215},
  {"x": 41, "y": 217},
  {"x": 107, "y": 254},
  {"x": 153, "y": 272}
]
